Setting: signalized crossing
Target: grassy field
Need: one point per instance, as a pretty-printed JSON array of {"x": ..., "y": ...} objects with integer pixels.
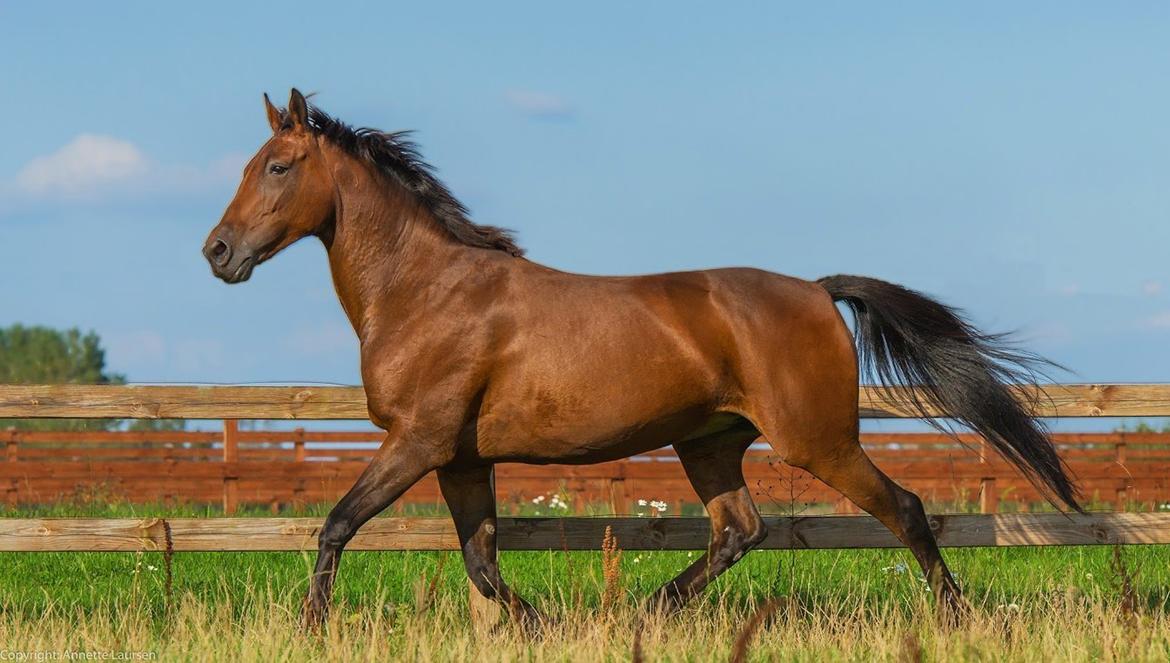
[{"x": 1068, "y": 603}]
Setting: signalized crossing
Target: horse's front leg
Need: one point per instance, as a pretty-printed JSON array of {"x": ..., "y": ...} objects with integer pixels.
[
  {"x": 397, "y": 465},
  {"x": 471, "y": 496}
]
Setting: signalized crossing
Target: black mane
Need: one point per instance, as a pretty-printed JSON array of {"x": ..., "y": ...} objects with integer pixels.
[{"x": 395, "y": 155}]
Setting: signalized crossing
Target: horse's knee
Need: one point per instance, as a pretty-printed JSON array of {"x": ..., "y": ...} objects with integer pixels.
[
  {"x": 908, "y": 502},
  {"x": 912, "y": 515},
  {"x": 335, "y": 533}
]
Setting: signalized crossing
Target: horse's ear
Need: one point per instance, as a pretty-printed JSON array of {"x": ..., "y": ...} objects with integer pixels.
[
  {"x": 298, "y": 111},
  {"x": 275, "y": 119}
]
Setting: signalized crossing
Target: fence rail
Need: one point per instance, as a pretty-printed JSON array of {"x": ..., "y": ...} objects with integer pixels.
[
  {"x": 301, "y": 466},
  {"x": 235, "y": 466},
  {"x": 300, "y": 402},
  {"x": 289, "y": 467},
  {"x": 568, "y": 533}
]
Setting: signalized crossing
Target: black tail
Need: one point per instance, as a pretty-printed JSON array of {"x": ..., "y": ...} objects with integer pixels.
[{"x": 906, "y": 338}]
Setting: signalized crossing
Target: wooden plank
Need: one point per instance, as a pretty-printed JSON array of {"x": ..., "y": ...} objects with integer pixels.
[
  {"x": 313, "y": 402},
  {"x": 672, "y": 489},
  {"x": 202, "y": 438},
  {"x": 180, "y": 469},
  {"x": 1058, "y": 400},
  {"x": 662, "y": 463},
  {"x": 119, "y": 437},
  {"x": 181, "y": 402},
  {"x": 819, "y": 532}
]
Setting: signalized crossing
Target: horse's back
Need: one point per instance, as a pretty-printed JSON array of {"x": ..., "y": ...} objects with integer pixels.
[{"x": 607, "y": 366}]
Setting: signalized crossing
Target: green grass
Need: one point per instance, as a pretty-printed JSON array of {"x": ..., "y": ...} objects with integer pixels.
[
  {"x": 844, "y": 603},
  {"x": 988, "y": 575},
  {"x": 880, "y": 579}
]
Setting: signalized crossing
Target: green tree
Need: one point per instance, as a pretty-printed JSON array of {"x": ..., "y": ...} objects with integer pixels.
[
  {"x": 1143, "y": 426},
  {"x": 42, "y": 355}
]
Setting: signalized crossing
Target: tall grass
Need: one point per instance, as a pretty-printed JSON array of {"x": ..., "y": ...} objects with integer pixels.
[
  {"x": 842, "y": 624},
  {"x": 1074, "y": 603},
  {"x": 1082, "y": 603}
]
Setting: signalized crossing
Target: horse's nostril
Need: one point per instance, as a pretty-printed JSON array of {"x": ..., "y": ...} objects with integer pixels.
[{"x": 219, "y": 251}]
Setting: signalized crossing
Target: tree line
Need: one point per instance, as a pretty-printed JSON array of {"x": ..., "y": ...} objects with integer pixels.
[{"x": 43, "y": 355}]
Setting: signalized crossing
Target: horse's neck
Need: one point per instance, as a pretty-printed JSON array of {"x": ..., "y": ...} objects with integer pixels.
[{"x": 384, "y": 251}]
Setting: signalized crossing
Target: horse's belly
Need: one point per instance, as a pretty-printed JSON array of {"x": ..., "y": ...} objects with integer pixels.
[{"x": 582, "y": 445}]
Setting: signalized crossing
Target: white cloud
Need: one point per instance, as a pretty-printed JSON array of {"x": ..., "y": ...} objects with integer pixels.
[
  {"x": 84, "y": 166},
  {"x": 1152, "y": 288},
  {"x": 539, "y": 104},
  {"x": 1054, "y": 331},
  {"x": 229, "y": 166},
  {"x": 95, "y": 169},
  {"x": 1157, "y": 321},
  {"x": 135, "y": 349},
  {"x": 192, "y": 356},
  {"x": 146, "y": 355},
  {"x": 324, "y": 339}
]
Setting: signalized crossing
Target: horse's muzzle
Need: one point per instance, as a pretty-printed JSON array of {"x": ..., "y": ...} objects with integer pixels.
[{"x": 231, "y": 264}]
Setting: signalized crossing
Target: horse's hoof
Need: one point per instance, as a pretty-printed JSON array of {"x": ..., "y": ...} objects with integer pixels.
[
  {"x": 313, "y": 618},
  {"x": 533, "y": 622},
  {"x": 662, "y": 605},
  {"x": 954, "y": 610},
  {"x": 530, "y": 621}
]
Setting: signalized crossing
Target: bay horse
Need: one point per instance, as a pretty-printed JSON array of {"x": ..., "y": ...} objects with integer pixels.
[{"x": 473, "y": 355}]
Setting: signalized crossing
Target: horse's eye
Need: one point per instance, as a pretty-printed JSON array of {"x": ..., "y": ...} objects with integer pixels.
[{"x": 277, "y": 169}]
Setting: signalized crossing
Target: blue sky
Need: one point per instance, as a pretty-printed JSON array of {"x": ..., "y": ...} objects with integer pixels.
[{"x": 1010, "y": 158}]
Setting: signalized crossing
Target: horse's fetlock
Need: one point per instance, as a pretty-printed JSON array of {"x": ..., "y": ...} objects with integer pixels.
[
  {"x": 756, "y": 533},
  {"x": 486, "y": 579}
]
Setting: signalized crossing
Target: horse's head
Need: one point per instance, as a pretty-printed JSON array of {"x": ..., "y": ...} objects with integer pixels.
[{"x": 286, "y": 193}]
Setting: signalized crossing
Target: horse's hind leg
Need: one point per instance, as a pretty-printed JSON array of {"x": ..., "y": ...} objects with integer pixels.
[
  {"x": 802, "y": 396},
  {"x": 471, "y": 496},
  {"x": 846, "y": 468},
  {"x": 714, "y": 465}
]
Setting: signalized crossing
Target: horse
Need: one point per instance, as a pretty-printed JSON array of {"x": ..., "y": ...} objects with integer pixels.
[{"x": 472, "y": 355}]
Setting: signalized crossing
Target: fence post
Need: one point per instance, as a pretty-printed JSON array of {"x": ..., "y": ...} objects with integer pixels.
[
  {"x": 10, "y": 450},
  {"x": 299, "y": 445},
  {"x": 1119, "y": 458},
  {"x": 299, "y": 457},
  {"x": 231, "y": 454},
  {"x": 988, "y": 493}
]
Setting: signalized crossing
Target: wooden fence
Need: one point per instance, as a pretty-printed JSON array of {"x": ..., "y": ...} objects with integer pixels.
[
  {"x": 569, "y": 533},
  {"x": 1104, "y": 465},
  {"x": 295, "y": 467}
]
